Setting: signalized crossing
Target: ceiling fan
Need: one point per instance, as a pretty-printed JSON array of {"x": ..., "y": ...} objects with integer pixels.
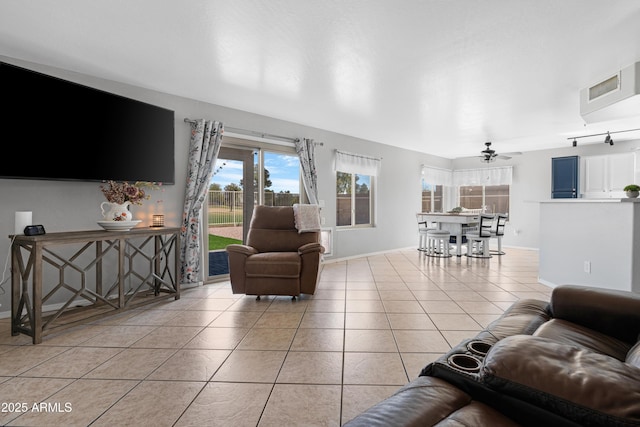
[{"x": 489, "y": 155}]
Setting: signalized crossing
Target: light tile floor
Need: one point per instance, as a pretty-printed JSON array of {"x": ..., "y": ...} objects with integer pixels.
[{"x": 217, "y": 359}]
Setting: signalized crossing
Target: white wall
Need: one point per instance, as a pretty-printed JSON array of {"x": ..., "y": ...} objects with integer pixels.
[
  {"x": 66, "y": 206},
  {"x": 591, "y": 242}
]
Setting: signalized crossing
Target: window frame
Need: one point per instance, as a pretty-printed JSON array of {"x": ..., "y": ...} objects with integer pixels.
[
  {"x": 433, "y": 196},
  {"x": 353, "y": 205},
  {"x": 483, "y": 202}
]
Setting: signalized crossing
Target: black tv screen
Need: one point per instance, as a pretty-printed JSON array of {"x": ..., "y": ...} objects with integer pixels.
[{"x": 66, "y": 131}]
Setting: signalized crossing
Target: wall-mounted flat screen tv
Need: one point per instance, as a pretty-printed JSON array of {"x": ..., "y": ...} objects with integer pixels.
[{"x": 62, "y": 130}]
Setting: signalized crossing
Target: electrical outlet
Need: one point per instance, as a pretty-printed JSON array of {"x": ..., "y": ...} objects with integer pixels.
[{"x": 587, "y": 267}]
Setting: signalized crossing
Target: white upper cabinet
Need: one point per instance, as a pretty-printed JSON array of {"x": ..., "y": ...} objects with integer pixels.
[{"x": 604, "y": 177}]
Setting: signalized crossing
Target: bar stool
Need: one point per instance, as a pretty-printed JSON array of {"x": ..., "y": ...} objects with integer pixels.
[
  {"x": 480, "y": 238},
  {"x": 438, "y": 244},
  {"x": 497, "y": 231},
  {"x": 422, "y": 236},
  {"x": 423, "y": 228}
]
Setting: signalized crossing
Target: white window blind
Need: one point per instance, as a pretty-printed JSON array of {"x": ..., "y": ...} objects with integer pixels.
[
  {"x": 436, "y": 176},
  {"x": 485, "y": 176},
  {"x": 357, "y": 163}
]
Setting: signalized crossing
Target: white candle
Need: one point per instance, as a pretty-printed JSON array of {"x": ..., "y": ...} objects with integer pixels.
[{"x": 22, "y": 220}]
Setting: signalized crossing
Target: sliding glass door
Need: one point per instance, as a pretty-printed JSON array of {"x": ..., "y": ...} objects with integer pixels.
[
  {"x": 229, "y": 206},
  {"x": 246, "y": 173}
]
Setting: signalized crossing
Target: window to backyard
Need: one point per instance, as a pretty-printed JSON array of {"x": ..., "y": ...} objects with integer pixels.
[
  {"x": 431, "y": 197},
  {"x": 494, "y": 197},
  {"x": 354, "y": 199}
]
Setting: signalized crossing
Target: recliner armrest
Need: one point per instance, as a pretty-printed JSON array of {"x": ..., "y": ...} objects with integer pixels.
[
  {"x": 586, "y": 387},
  {"x": 310, "y": 248},
  {"x": 241, "y": 249}
]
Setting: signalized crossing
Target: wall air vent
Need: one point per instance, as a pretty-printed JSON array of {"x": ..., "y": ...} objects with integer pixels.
[
  {"x": 616, "y": 97},
  {"x": 604, "y": 88}
]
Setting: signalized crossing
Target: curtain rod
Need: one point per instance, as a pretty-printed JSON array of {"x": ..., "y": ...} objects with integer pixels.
[
  {"x": 255, "y": 133},
  {"x": 424, "y": 166},
  {"x": 358, "y": 155}
]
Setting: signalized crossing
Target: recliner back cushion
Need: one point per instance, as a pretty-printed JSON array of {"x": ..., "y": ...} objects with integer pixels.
[{"x": 273, "y": 229}]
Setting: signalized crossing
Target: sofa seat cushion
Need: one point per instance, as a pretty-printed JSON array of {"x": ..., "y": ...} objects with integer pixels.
[
  {"x": 429, "y": 401},
  {"x": 589, "y": 388},
  {"x": 274, "y": 264},
  {"x": 570, "y": 333}
]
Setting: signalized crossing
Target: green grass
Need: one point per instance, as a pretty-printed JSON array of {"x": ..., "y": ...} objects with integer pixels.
[{"x": 219, "y": 242}]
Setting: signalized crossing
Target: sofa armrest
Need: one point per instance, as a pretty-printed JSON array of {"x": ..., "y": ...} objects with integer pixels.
[
  {"x": 310, "y": 248},
  {"x": 241, "y": 249},
  {"x": 612, "y": 312},
  {"x": 586, "y": 387},
  {"x": 428, "y": 401}
]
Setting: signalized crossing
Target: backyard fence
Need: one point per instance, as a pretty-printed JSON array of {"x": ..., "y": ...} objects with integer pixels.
[{"x": 226, "y": 207}]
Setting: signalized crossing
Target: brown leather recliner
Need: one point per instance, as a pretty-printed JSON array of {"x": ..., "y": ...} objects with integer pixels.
[{"x": 276, "y": 260}]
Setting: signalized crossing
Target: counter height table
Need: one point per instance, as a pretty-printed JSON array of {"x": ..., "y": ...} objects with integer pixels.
[{"x": 453, "y": 223}]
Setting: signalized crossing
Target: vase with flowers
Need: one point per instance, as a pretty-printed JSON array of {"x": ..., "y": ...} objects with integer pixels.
[{"x": 120, "y": 195}]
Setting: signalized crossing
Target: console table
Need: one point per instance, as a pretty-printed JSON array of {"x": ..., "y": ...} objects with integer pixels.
[{"x": 80, "y": 275}]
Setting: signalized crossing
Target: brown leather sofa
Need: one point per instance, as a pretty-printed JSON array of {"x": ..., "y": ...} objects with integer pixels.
[
  {"x": 277, "y": 259},
  {"x": 574, "y": 361}
]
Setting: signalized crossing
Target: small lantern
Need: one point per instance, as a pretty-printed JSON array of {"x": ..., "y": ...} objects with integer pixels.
[{"x": 158, "y": 221}]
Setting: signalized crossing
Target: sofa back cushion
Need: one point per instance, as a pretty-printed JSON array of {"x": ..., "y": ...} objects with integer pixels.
[{"x": 612, "y": 312}]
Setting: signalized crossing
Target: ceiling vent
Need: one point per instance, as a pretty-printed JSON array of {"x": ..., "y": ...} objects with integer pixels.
[{"x": 615, "y": 97}]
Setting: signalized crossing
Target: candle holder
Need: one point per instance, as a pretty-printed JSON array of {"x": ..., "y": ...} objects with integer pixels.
[{"x": 157, "y": 221}]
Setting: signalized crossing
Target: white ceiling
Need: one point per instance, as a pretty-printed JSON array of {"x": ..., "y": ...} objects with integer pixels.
[{"x": 437, "y": 76}]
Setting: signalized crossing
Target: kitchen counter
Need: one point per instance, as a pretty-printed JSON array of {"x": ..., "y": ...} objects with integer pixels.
[{"x": 625, "y": 200}]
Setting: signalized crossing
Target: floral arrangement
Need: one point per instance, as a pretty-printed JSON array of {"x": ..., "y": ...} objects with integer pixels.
[{"x": 120, "y": 192}]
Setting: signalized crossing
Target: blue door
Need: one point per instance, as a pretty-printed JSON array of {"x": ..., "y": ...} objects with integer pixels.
[{"x": 564, "y": 179}]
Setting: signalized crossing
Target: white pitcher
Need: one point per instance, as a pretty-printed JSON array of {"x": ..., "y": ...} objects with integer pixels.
[{"x": 116, "y": 211}]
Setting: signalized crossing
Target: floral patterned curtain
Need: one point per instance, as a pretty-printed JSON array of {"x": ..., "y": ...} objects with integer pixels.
[
  {"x": 306, "y": 153},
  {"x": 206, "y": 138}
]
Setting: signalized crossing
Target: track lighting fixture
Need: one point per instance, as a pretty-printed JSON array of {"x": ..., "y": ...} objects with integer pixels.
[{"x": 607, "y": 139}]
